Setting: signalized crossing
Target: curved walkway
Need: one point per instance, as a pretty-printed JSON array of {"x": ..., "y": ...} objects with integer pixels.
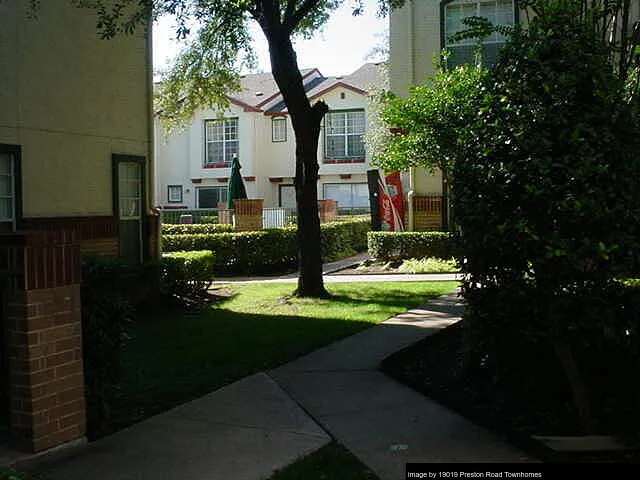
[{"x": 249, "y": 429}]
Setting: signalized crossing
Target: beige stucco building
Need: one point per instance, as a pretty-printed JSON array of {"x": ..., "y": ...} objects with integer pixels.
[
  {"x": 419, "y": 31},
  {"x": 194, "y": 165},
  {"x": 75, "y": 163}
]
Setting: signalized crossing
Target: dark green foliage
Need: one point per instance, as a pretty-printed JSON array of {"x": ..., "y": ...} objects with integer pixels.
[
  {"x": 343, "y": 239},
  {"x": 195, "y": 228},
  {"x": 271, "y": 250},
  {"x": 545, "y": 192},
  {"x": 405, "y": 245},
  {"x": 13, "y": 474},
  {"x": 107, "y": 312},
  {"x": 187, "y": 274}
]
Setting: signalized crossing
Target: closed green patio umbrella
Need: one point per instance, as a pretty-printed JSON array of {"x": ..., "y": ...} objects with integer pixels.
[{"x": 236, "y": 184}]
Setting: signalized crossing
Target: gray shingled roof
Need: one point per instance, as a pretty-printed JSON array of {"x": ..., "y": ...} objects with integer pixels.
[
  {"x": 257, "y": 87},
  {"x": 370, "y": 75}
]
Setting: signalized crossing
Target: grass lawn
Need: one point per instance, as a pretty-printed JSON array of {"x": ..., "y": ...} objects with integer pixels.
[
  {"x": 177, "y": 356},
  {"x": 331, "y": 462}
]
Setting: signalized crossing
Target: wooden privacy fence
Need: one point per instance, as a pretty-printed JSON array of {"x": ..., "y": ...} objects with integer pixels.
[{"x": 427, "y": 212}]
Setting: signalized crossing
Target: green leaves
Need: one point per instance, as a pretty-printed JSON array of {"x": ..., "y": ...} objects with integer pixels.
[
  {"x": 433, "y": 121},
  {"x": 206, "y": 71}
]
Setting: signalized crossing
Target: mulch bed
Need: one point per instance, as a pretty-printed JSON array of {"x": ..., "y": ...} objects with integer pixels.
[{"x": 432, "y": 367}]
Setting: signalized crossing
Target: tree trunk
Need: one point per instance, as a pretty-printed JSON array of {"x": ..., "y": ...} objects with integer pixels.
[
  {"x": 571, "y": 370},
  {"x": 306, "y": 120}
]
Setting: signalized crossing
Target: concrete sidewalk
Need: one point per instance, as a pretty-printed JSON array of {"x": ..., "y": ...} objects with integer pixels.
[{"x": 264, "y": 422}]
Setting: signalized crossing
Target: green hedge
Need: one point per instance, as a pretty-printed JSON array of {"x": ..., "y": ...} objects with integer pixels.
[
  {"x": 195, "y": 228},
  {"x": 187, "y": 274},
  {"x": 108, "y": 294},
  {"x": 406, "y": 245},
  {"x": 342, "y": 239},
  {"x": 271, "y": 250}
]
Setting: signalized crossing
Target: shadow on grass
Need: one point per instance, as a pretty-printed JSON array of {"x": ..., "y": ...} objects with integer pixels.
[
  {"x": 396, "y": 298},
  {"x": 166, "y": 365}
]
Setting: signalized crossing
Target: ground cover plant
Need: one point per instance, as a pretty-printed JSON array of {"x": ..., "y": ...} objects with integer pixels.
[{"x": 177, "y": 355}]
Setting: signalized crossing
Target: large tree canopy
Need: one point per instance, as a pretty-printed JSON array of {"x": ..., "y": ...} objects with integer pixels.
[{"x": 208, "y": 68}]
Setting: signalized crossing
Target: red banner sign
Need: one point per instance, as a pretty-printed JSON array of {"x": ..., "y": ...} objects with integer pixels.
[{"x": 391, "y": 203}]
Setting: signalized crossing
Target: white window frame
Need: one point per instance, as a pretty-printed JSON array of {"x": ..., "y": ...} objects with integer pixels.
[
  {"x": 329, "y": 119},
  {"x": 279, "y": 129},
  {"x": 133, "y": 202},
  {"x": 171, "y": 191},
  {"x": 230, "y": 134}
]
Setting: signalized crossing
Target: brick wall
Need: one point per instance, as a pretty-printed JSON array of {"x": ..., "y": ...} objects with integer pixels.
[
  {"x": 42, "y": 315},
  {"x": 107, "y": 247},
  {"x": 328, "y": 210},
  {"x": 45, "y": 360}
]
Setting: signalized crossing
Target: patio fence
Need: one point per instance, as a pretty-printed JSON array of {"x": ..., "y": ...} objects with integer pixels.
[{"x": 271, "y": 216}]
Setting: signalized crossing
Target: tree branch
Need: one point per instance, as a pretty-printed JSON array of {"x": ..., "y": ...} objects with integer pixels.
[
  {"x": 291, "y": 22},
  {"x": 291, "y": 8}
]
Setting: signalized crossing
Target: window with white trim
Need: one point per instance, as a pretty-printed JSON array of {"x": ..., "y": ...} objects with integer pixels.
[
  {"x": 130, "y": 190},
  {"x": 279, "y": 129},
  {"x": 498, "y": 12},
  {"x": 221, "y": 141},
  {"x": 174, "y": 193},
  {"x": 210, "y": 197},
  {"x": 7, "y": 191},
  {"x": 343, "y": 132},
  {"x": 348, "y": 195}
]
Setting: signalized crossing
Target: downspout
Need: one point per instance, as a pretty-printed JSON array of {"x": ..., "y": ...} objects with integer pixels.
[
  {"x": 151, "y": 171},
  {"x": 412, "y": 73}
]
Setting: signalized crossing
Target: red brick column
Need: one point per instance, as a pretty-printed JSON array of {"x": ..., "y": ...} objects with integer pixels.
[
  {"x": 247, "y": 214},
  {"x": 224, "y": 214},
  {"x": 328, "y": 210},
  {"x": 44, "y": 339}
]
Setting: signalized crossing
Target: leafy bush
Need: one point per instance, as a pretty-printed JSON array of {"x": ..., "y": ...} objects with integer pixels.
[
  {"x": 406, "y": 245},
  {"x": 13, "y": 474},
  {"x": 270, "y": 250},
  {"x": 206, "y": 219},
  {"x": 187, "y": 274},
  {"x": 545, "y": 190},
  {"x": 429, "y": 265},
  {"x": 195, "y": 228},
  {"x": 107, "y": 312},
  {"x": 342, "y": 239}
]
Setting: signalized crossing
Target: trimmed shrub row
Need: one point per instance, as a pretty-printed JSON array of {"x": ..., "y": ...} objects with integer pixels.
[
  {"x": 406, "y": 245},
  {"x": 195, "y": 228},
  {"x": 187, "y": 274},
  {"x": 271, "y": 250}
]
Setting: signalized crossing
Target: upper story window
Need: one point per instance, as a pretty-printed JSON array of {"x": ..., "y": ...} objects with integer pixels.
[
  {"x": 343, "y": 134},
  {"x": 498, "y": 12},
  {"x": 279, "y": 129},
  {"x": 221, "y": 141},
  {"x": 8, "y": 181}
]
